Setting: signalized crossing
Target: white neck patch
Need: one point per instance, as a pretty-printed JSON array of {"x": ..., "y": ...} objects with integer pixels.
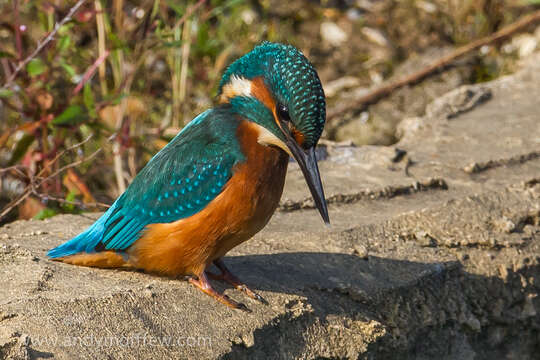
[
  {"x": 237, "y": 86},
  {"x": 266, "y": 138}
]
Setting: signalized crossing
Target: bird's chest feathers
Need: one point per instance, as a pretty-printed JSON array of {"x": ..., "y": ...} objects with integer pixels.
[
  {"x": 259, "y": 180},
  {"x": 253, "y": 193}
]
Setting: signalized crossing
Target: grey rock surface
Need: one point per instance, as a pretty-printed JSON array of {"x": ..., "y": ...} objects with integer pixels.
[{"x": 433, "y": 252}]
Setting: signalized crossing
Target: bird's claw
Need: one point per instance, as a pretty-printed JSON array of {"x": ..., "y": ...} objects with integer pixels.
[
  {"x": 261, "y": 299},
  {"x": 243, "y": 307},
  {"x": 228, "y": 277},
  {"x": 234, "y": 304},
  {"x": 252, "y": 294},
  {"x": 202, "y": 284}
]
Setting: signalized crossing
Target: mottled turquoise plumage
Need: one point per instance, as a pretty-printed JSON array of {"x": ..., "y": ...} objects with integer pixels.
[
  {"x": 177, "y": 182},
  {"x": 292, "y": 80}
]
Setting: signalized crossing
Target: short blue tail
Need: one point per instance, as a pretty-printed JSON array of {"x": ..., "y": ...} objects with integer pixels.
[{"x": 85, "y": 241}]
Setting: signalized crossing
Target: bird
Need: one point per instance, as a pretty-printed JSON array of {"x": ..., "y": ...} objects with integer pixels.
[{"x": 219, "y": 180}]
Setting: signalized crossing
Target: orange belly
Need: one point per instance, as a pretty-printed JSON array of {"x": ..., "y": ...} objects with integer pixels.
[{"x": 243, "y": 208}]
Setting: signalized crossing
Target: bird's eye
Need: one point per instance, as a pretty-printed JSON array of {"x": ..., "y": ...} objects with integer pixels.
[{"x": 283, "y": 113}]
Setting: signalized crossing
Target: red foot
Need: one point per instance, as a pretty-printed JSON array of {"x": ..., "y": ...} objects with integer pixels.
[
  {"x": 228, "y": 277},
  {"x": 203, "y": 284}
]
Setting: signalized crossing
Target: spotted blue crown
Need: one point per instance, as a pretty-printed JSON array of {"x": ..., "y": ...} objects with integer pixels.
[{"x": 292, "y": 80}]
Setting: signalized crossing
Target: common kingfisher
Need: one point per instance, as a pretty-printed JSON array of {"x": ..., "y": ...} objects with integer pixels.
[{"x": 218, "y": 182}]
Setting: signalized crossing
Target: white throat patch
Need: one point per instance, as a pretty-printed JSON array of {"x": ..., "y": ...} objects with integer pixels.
[
  {"x": 237, "y": 86},
  {"x": 267, "y": 138}
]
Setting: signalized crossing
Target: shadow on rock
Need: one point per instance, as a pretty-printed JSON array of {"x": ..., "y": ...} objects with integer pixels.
[
  {"x": 428, "y": 310},
  {"x": 333, "y": 289},
  {"x": 300, "y": 273}
]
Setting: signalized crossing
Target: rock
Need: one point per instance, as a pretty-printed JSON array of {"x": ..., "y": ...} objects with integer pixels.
[
  {"x": 426, "y": 6},
  {"x": 333, "y": 87},
  {"x": 458, "y": 101},
  {"x": 506, "y": 225},
  {"x": 424, "y": 239},
  {"x": 360, "y": 251},
  {"x": 248, "y": 340},
  {"x": 529, "y": 230},
  {"x": 375, "y": 36},
  {"x": 447, "y": 276},
  {"x": 149, "y": 293},
  {"x": 248, "y": 16},
  {"x": 408, "y": 126},
  {"x": 529, "y": 310},
  {"x": 496, "y": 336},
  {"x": 525, "y": 44},
  {"x": 333, "y": 34}
]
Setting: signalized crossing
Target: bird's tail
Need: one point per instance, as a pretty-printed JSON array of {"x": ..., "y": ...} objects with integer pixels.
[{"x": 85, "y": 241}]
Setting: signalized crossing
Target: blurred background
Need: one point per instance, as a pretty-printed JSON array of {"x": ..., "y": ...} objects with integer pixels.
[{"x": 118, "y": 79}]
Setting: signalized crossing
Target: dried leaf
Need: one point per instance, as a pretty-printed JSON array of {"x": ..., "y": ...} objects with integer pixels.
[
  {"x": 4, "y": 138},
  {"x": 29, "y": 127},
  {"x": 76, "y": 185},
  {"x": 30, "y": 208},
  {"x": 134, "y": 109},
  {"x": 45, "y": 100}
]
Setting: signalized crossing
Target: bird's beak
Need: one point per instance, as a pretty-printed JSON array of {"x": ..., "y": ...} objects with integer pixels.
[{"x": 308, "y": 163}]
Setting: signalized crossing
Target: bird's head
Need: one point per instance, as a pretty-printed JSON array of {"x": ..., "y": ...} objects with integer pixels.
[{"x": 276, "y": 87}]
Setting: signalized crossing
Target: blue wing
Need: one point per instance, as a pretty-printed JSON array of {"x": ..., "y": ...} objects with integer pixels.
[{"x": 177, "y": 182}]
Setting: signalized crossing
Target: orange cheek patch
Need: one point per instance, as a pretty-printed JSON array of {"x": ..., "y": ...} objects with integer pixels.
[
  {"x": 298, "y": 136},
  {"x": 261, "y": 92}
]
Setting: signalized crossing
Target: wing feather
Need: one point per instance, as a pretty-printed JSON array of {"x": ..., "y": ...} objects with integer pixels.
[{"x": 179, "y": 181}]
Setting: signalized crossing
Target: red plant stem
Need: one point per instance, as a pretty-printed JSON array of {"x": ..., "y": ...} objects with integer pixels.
[{"x": 91, "y": 71}]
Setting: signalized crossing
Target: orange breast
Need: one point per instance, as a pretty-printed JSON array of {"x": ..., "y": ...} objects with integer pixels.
[{"x": 242, "y": 209}]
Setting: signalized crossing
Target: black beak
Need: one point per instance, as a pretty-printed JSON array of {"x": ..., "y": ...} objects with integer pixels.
[{"x": 308, "y": 163}]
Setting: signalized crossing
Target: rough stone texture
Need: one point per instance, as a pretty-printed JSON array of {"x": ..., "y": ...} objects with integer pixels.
[{"x": 433, "y": 252}]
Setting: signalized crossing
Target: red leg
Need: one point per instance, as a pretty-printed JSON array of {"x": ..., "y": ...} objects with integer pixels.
[
  {"x": 228, "y": 277},
  {"x": 203, "y": 284}
]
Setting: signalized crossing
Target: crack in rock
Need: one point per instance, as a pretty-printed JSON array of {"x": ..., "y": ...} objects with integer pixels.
[
  {"x": 477, "y": 167},
  {"x": 367, "y": 194}
]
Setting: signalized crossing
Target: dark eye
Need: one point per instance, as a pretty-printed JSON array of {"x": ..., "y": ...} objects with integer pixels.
[{"x": 283, "y": 113}]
